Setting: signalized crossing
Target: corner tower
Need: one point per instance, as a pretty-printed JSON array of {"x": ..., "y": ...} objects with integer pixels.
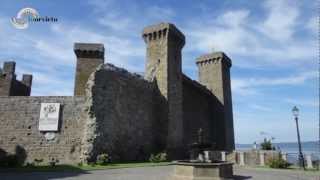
[
  {"x": 9, "y": 85},
  {"x": 7, "y": 78},
  {"x": 89, "y": 57},
  {"x": 164, "y": 44},
  {"x": 214, "y": 73}
]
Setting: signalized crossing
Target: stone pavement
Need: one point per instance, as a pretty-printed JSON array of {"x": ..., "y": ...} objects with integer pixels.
[{"x": 154, "y": 173}]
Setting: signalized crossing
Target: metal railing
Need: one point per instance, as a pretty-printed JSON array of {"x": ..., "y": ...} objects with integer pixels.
[{"x": 312, "y": 160}]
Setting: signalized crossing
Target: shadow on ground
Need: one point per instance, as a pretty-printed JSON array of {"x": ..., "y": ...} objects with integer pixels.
[
  {"x": 11, "y": 167},
  {"x": 58, "y": 172},
  {"x": 40, "y": 175},
  {"x": 236, "y": 177}
]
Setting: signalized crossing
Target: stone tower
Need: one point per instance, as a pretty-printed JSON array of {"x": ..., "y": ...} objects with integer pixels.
[
  {"x": 9, "y": 85},
  {"x": 214, "y": 73},
  {"x": 7, "y": 78},
  {"x": 164, "y": 44},
  {"x": 89, "y": 57}
]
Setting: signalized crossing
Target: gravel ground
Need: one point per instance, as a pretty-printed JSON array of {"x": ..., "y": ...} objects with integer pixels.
[{"x": 154, "y": 173}]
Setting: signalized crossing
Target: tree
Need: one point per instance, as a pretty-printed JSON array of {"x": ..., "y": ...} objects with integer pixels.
[{"x": 267, "y": 145}]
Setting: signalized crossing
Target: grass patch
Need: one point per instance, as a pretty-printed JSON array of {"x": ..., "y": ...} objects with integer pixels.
[
  {"x": 123, "y": 165},
  {"x": 84, "y": 167}
]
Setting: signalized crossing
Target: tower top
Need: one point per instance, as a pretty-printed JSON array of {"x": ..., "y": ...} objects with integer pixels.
[
  {"x": 158, "y": 31},
  {"x": 89, "y": 50},
  {"x": 212, "y": 57},
  {"x": 9, "y": 67}
]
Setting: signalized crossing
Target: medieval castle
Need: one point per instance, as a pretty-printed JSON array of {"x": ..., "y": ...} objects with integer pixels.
[{"x": 121, "y": 113}]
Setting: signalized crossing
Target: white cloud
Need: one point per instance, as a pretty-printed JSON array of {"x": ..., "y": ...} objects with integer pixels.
[
  {"x": 247, "y": 86},
  {"x": 303, "y": 102},
  {"x": 112, "y": 20},
  {"x": 242, "y": 87},
  {"x": 313, "y": 24},
  {"x": 226, "y": 33},
  {"x": 234, "y": 18},
  {"x": 127, "y": 20},
  {"x": 269, "y": 41},
  {"x": 260, "y": 108},
  {"x": 281, "y": 20},
  {"x": 156, "y": 13},
  {"x": 292, "y": 80}
]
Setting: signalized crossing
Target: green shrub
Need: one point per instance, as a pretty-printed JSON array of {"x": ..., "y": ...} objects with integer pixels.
[
  {"x": 160, "y": 157},
  {"x": 267, "y": 145},
  {"x": 53, "y": 162},
  {"x": 38, "y": 162},
  {"x": 30, "y": 164},
  {"x": 103, "y": 159},
  {"x": 80, "y": 164},
  {"x": 277, "y": 163}
]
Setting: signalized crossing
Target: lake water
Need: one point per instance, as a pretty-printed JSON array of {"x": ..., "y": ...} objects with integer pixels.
[
  {"x": 291, "y": 149},
  {"x": 307, "y": 147}
]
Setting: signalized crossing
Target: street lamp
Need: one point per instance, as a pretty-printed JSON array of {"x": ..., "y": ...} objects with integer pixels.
[{"x": 295, "y": 112}]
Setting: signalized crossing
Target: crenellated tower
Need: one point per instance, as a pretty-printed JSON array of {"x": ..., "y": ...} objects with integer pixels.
[
  {"x": 163, "y": 65},
  {"x": 9, "y": 85},
  {"x": 89, "y": 57},
  {"x": 214, "y": 73}
]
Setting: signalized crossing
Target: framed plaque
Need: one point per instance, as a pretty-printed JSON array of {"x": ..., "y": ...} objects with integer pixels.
[{"x": 49, "y": 117}]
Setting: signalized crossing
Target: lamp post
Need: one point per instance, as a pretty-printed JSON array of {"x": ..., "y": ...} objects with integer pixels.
[{"x": 295, "y": 112}]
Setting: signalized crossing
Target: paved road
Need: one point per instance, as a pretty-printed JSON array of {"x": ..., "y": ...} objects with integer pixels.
[{"x": 153, "y": 173}]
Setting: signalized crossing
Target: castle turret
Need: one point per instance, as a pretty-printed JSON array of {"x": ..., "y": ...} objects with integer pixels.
[
  {"x": 214, "y": 73},
  {"x": 89, "y": 57},
  {"x": 27, "y": 81},
  {"x": 7, "y": 78},
  {"x": 9, "y": 86},
  {"x": 9, "y": 67},
  {"x": 164, "y": 44}
]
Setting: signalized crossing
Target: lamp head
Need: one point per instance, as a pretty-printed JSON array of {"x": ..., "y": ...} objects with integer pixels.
[{"x": 295, "y": 111}]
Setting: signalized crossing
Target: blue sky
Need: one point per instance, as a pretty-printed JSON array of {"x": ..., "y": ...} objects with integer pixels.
[{"x": 273, "y": 45}]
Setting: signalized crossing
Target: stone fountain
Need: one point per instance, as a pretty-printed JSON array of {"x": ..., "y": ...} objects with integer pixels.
[{"x": 200, "y": 166}]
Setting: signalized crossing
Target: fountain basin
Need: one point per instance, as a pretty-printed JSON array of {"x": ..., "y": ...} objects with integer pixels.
[{"x": 186, "y": 170}]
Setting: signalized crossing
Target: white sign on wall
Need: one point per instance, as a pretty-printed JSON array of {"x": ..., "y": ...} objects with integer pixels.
[{"x": 49, "y": 117}]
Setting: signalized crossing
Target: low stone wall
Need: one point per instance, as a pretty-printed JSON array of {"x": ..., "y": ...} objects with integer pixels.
[
  {"x": 19, "y": 134},
  {"x": 255, "y": 157}
]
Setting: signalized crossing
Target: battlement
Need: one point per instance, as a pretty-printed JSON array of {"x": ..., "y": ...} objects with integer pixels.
[
  {"x": 9, "y": 85},
  {"x": 159, "y": 31},
  {"x": 213, "y": 58},
  {"x": 27, "y": 80},
  {"x": 89, "y": 50},
  {"x": 9, "y": 67},
  {"x": 89, "y": 57}
]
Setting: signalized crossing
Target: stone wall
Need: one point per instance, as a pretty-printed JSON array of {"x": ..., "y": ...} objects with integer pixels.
[
  {"x": 5, "y": 85},
  {"x": 253, "y": 157},
  {"x": 202, "y": 110},
  {"x": 19, "y": 120},
  {"x": 20, "y": 89},
  {"x": 121, "y": 115}
]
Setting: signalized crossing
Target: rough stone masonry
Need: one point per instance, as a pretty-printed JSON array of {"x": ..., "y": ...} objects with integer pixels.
[{"x": 121, "y": 113}]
